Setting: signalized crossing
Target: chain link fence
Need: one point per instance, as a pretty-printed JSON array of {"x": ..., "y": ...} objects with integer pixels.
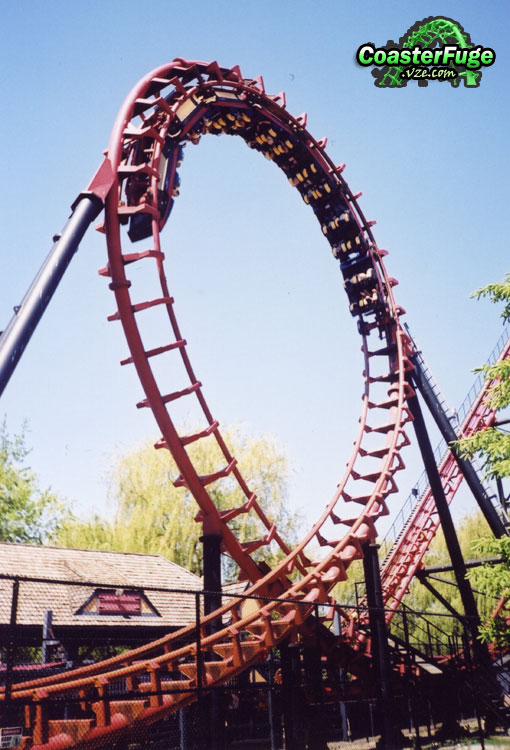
[{"x": 293, "y": 698}]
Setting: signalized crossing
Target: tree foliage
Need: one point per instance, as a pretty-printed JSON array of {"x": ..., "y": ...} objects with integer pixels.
[
  {"x": 494, "y": 580},
  {"x": 493, "y": 444},
  {"x": 498, "y": 292},
  {"x": 151, "y": 515},
  {"x": 27, "y": 514}
]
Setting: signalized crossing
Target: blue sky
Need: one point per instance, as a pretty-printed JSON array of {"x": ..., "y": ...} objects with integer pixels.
[{"x": 257, "y": 293}]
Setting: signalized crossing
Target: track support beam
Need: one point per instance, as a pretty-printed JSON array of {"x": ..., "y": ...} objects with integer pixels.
[
  {"x": 480, "y": 650},
  {"x": 214, "y": 704},
  {"x": 432, "y": 569},
  {"x": 27, "y": 316},
  {"x": 421, "y": 383},
  {"x": 380, "y": 651},
  {"x": 443, "y": 510},
  {"x": 292, "y": 698},
  {"x": 212, "y": 575}
]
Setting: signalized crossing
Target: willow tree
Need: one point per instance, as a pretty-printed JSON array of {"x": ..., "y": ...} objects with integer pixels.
[{"x": 150, "y": 515}]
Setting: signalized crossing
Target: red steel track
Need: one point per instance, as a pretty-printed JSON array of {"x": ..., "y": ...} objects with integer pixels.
[
  {"x": 169, "y": 107},
  {"x": 406, "y": 555}
]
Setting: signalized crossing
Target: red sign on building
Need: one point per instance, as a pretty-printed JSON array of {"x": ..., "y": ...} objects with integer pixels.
[{"x": 118, "y": 604}]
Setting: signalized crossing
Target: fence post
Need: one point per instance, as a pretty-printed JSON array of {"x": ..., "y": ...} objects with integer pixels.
[
  {"x": 410, "y": 660},
  {"x": 11, "y": 648},
  {"x": 337, "y": 629},
  {"x": 429, "y": 636},
  {"x": 270, "y": 702},
  {"x": 183, "y": 729},
  {"x": 405, "y": 625},
  {"x": 198, "y": 646}
]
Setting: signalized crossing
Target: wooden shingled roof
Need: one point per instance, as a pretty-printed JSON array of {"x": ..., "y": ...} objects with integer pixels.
[{"x": 112, "y": 571}]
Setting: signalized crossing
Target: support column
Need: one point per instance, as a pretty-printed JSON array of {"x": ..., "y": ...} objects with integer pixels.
[
  {"x": 29, "y": 312},
  {"x": 443, "y": 510},
  {"x": 491, "y": 688},
  {"x": 214, "y": 704},
  {"x": 436, "y": 409},
  {"x": 212, "y": 575},
  {"x": 291, "y": 697},
  {"x": 380, "y": 651}
]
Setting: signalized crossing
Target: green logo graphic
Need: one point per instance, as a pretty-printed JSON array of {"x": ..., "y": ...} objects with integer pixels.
[{"x": 436, "y": 48}]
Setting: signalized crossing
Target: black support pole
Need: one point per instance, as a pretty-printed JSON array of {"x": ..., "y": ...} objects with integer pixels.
[
  {"x": 443, "y": 511},
  {"x": 491, "y": 689},
  {"x": 26, "y": 317},
  {"x": 481, "y": 651},
  {"x": 431, "y": 569},
  {"x": 435, "y": 407},
  {"x": 212, "y": 575},
  {"x": 293, "y": 718},
  {"x": 214, "y": 704},
  {"x": 379, "y": 636}
]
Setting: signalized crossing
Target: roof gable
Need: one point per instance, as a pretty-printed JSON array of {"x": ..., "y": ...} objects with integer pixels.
[{"x": 98, "y": 570}]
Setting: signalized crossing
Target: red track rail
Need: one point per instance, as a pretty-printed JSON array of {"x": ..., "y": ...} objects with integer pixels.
[
  {"x": 174, "y": 104},
  {"x": 406, "y": 556}
]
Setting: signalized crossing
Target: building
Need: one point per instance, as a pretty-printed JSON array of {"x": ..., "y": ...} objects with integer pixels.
[{"x": 71, "y": 601}]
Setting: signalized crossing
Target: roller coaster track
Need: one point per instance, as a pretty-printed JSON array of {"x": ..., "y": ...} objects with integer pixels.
[
  {"x": 171, "y": 106},
  {"x": 419, "y": 522}
]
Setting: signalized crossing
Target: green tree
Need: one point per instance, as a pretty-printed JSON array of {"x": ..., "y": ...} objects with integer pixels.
[
  {"x": 493, "y": 445},
  {"x": 150, "y": 515},
  {"x": 494, "y": 580},
  {"x": 471, "y": 530},
  {"x": 27, "y": 514}
]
